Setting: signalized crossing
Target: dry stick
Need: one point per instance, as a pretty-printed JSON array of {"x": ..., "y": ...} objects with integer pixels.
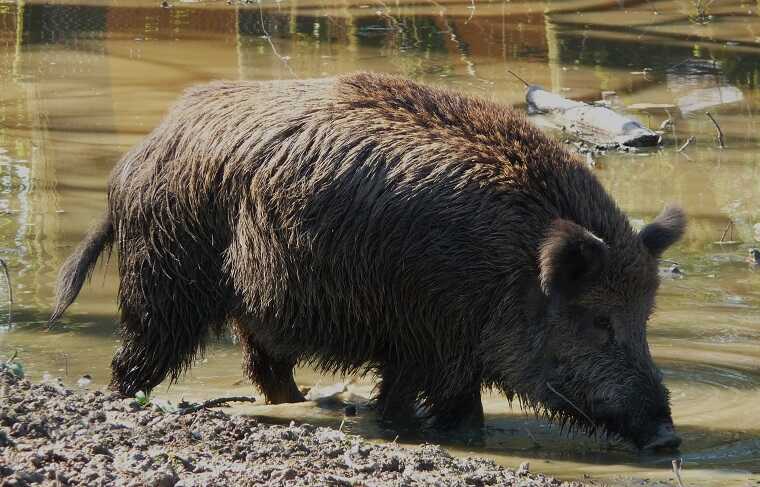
[
  {"x": 216, "y": 402},
  {"x": 532, "y": 437},
  {"x": 686, "y": 144},
  {"x": 717, "y": 127},
  {"x": 570, "y": 403},
  {"x": 677, "y": 463},
  {"x": 271, "y": 44},
  {"x": 10, "y": 290},
  {"x": 728, "y": 227},
  {"x": 527, "y": 85},
  {"x": 472, "y": 12}
]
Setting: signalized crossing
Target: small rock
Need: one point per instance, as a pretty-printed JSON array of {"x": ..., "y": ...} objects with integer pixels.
[
  {"x": 4, "y": 440},
  {"x": 524, "y": 469},
  {"x": 131, "y": 405},
  {"x": 672, "y": 271},
  {"x": 98, "y": 449},
  {"x": 286, "y": 474},
  {"x": 163, "y": 478},
  {"x": 754, "y": 257}
]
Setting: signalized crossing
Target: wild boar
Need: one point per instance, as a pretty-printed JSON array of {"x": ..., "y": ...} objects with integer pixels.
[{"x": 368, "y": 223}]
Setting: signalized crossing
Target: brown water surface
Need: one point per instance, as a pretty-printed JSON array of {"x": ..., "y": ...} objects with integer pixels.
[{"x": 80, "y": 82}]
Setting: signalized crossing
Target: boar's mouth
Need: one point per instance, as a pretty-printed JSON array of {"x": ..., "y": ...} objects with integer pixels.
[
  {"x": 665, "y": 438},
  {"x": 658, "y": 434}
]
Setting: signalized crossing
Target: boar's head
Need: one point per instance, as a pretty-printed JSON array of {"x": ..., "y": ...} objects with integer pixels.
[{"x": 596, "y": 371}]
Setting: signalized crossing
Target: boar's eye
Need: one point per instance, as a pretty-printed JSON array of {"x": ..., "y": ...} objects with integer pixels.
[
  {"x": 602, "y": 323},
  {"x": 603, "y": 328}
]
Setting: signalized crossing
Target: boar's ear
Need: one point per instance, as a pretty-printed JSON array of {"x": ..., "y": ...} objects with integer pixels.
[
  {"x": 664, "y": 231},
  {"x": 569, "y": 257}
]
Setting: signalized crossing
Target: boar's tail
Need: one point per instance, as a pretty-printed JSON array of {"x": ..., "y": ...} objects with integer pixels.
[{"x": 79, "y": 265}]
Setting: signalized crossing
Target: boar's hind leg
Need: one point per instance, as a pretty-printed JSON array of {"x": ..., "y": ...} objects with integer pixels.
[
  {"x": 273, "y": 376},
  {"x": 164, "y": 321},
  {"x": 150, "y": 352}
]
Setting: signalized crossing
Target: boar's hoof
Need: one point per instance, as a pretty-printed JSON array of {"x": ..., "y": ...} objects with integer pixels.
[{"x": 665, "y": 437}]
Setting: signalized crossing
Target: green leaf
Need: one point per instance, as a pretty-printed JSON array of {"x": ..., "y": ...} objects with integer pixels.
[{"x": 142, "y": 398}]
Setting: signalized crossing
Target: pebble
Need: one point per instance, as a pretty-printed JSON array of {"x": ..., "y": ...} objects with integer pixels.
[{"x": 350, "y": 410}]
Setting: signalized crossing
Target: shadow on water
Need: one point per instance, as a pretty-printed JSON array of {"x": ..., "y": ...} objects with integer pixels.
[{"x": 529, "y": 438}]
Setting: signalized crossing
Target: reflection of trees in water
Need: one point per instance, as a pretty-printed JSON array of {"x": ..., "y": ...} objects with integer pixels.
[
  {"x": 34, "y": 115},
  {"x": 576, "y": 47},
  {"x": 61, "y": 23},
  {"x": 391, "y": 38}
]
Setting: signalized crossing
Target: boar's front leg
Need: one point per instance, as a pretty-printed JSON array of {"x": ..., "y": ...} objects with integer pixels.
[
  {"x": 396, "y": 399},
  {"x": 464, "y": 410}
]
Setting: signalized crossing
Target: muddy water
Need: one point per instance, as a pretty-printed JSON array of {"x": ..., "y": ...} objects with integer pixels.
[{"x": 81, "y": 82}]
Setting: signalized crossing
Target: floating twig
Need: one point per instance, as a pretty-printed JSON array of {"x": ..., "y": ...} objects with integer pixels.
[
  {"x": 686, "y": 144},
  {"x": 10, "y": 290},
  {"x": 677, "y": 467},
  {"x": 570, "y": 403},
  {"x": 717, "y": 128},
  {"x": 215, "y": 402}
]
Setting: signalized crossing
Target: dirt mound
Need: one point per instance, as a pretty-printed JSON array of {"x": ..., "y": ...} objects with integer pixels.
[{"x": 52, "y": 435}]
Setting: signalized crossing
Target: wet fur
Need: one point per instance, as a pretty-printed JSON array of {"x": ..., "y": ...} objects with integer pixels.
[{"x": 365, "y": 223}]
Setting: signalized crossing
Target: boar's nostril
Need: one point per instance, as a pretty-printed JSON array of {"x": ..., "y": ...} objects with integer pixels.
[{"x": 665, "y": 437}]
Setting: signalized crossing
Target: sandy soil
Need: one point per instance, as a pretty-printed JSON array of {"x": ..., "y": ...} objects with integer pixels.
[{"x": 52, "y": 435}]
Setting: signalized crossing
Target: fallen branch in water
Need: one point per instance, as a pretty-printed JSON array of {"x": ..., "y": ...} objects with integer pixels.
[
  {"x": 677, "y": 467},
  {"x": 10, "y": 290},
  {"x": 214, "y": 403},
  {"x": 686, "y": 144},
  {"x": 717, "y": 127},
  {"x": 597, "y": 125}
]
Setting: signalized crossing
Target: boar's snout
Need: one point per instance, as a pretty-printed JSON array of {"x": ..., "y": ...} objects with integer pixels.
[{"x": 664, "y": 437}]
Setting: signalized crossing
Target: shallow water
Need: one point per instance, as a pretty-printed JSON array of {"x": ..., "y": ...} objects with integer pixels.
[{"x": 81, "y": 82}]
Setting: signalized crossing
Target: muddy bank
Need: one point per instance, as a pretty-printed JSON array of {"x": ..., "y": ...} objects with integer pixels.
[{"x": 52, "y": 435}]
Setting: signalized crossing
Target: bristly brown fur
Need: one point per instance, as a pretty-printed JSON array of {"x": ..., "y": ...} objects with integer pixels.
[{"x": 364, "y": 223}]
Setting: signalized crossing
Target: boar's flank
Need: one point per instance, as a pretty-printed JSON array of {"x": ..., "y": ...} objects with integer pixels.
[{"x": 369, "y": 223}]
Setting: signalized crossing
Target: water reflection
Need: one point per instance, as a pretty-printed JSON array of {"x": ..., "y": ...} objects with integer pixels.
[{"x": 79, "y": 84}]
